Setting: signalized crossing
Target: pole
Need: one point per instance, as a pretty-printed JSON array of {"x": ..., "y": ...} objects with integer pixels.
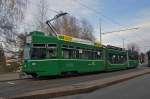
[
  {"x": 123, "y": 43},
  {"x": 100, "y": 30},
  {"x": 128, "y": 59}
]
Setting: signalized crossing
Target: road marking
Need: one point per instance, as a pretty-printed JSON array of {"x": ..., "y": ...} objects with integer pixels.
[
  {"x": 3, "y": 98},
  {"x": 11, "y": 83}
]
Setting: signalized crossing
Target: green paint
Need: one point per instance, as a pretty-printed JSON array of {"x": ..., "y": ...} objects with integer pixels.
[
  {"x": 133, "y": 63},
  {"x": 58, "y": 66}
]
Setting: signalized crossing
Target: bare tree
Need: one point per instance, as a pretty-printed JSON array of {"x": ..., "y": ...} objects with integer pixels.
[
  {"x": 87, "y": 31},
  {"x": 133, "y": 47},
  {"x": 42, "y": 15},
  {"x": 69, "y": 25},
  {"x": 21, "y": 40},
  {"x": 11, "y": 14}
]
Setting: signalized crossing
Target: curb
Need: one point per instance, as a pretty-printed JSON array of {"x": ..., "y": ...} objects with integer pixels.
[
  {"x": 11, "y": 80},
  {"x": 80, "y": 87},
  {"x": 15, "y": 79}
]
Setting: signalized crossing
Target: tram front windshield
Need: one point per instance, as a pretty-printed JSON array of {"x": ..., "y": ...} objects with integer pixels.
[
  {"x": 38, "y": 53},
  {"x": 26, "y": 53}
]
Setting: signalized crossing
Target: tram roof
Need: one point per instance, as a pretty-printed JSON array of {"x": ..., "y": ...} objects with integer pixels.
[{"x": 42, "y": 38}]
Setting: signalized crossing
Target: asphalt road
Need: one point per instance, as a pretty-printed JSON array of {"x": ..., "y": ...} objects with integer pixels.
[
  {"x": 18, "y": 87},
  {"x": 138, "y": 88}
]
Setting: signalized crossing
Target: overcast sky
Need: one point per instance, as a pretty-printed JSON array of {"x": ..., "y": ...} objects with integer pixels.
[{"x": 114, "y": 15}]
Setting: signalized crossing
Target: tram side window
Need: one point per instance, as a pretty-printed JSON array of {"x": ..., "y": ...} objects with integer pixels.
[
  {"x": 116, "y": 59},
  {"x": 79, "y": 53},
  {"x": 68, "y": 52},
  {"x": 73, "y": 52},
  {"x": 123, "y": 58},
  {"x": 65, "y": 53},
  {"x": 85, "y": 54},
  {"x": 92, "y": 55},
  {"x": 52, "y": 50},
  {"x": 98, "y": 55},
  {"x": 130, "y": 56},
  {"x": 38, "y": 51},
  {"x": 110, "y": 58},
  {"x": 133, "y": 57}
]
